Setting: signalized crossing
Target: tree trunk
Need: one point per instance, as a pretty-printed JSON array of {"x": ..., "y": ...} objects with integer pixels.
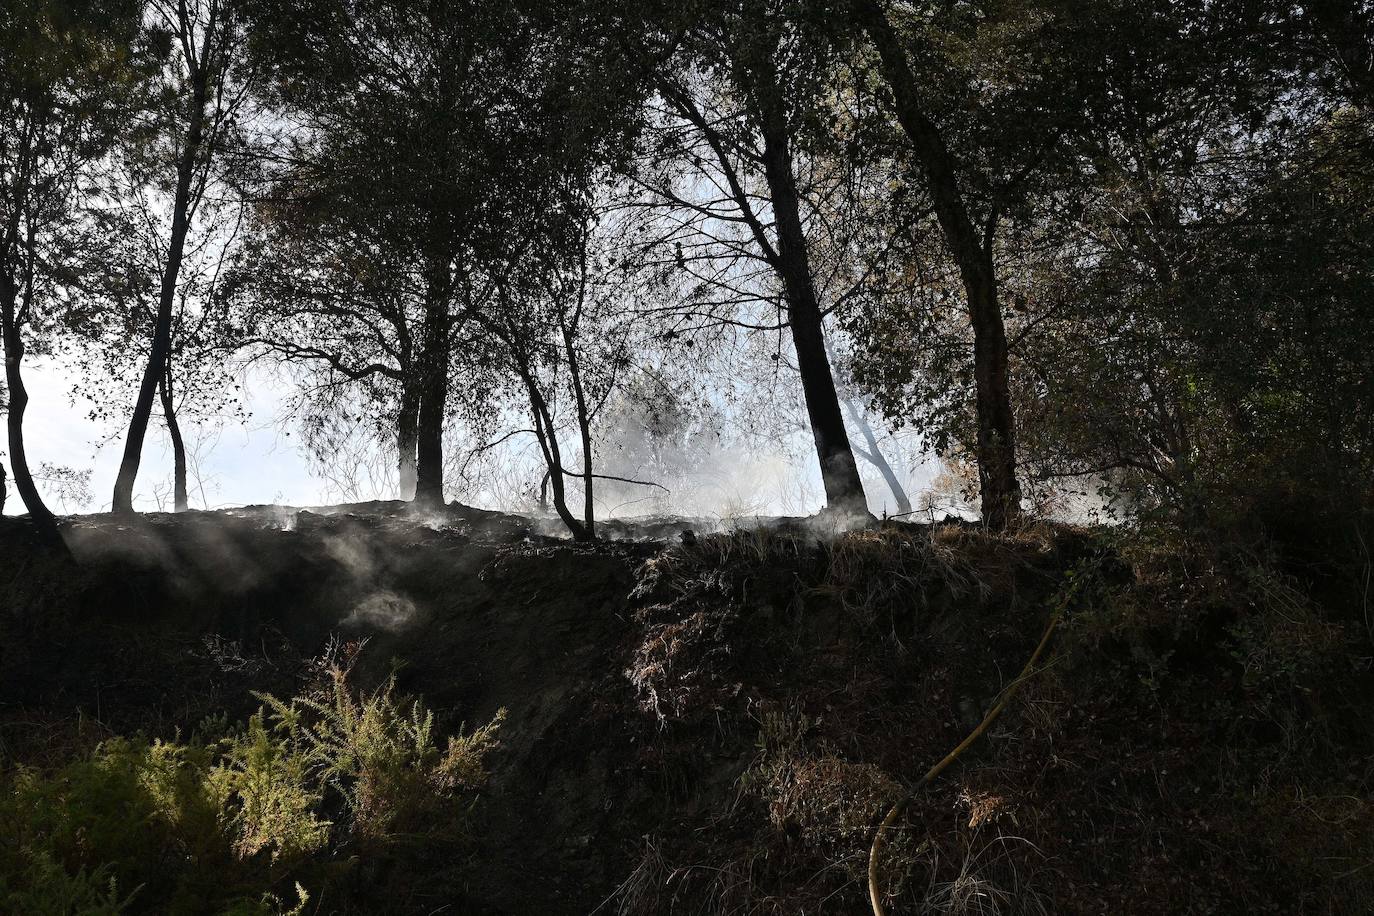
[
  {"x": 429, "y": 464},
  {"x": 584, "y": 428},
  {"x": 44, "y": 522},
  {"x": 179, "y": 500},
  {"x": 1000, "y": 490},
  {"x": 407, "y": 436},
  {"x": 996, "y": 442},
  {"x": 839, "y": 471},
  {"x": 874, "y": 456},
  {"x": 548, "y": 440},
  {"x": 162, "y": 328},
  {"x": 547, "y": 435}
]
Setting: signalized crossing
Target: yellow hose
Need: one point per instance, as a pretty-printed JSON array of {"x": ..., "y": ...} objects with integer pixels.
[{"x": 874, "y": 893}]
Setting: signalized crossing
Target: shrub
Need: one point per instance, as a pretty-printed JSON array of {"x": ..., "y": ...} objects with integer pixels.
[
  {"x": 43, "y": 887},
  {"x": 229, "y": 824},
  {"x": 269, "y": 794},
  {"x": 377, "y": 753}
]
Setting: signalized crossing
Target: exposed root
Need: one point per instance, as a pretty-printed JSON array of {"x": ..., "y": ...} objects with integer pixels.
[{"x": 875, "y": 851}]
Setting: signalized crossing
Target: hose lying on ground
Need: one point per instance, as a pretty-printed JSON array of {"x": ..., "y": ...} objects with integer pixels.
[{"x": 875, "y": 851}]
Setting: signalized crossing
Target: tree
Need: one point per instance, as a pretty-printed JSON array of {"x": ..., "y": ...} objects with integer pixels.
[
  {"x": 872, "y": 452},
  {"x": 1341, "y": 35},
  {"x": 66, "y": 73},
  {"x": 318, "y": 286},
  {"x": 428, "y": 119},
  {"x": 566, "y": 336},
  {"x": 731, "y": 142},
  {"x": 119, "y": 302},
  {"x": 202, "y": 100},
  {"x": 970, "y": 240},
  {"x": 1171, "y": 301}
]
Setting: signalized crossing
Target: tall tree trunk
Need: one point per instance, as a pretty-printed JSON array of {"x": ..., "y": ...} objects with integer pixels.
[
  {"x": 434, "y": 358},
  {"x": 996, "y": 443},
  {"x": 839, "y": 471},
  {"x": 873, "y": 454},
  {"x": 169, "y": 412},
  {"x": 547, "y": 434},
  {"x": 162, "y": 328},
  {"x": 407, "y": 436},
  {"x": 44, "y": 522},
  {"x": 999, "y": 488},
  {"x": 584, "y": 429}
]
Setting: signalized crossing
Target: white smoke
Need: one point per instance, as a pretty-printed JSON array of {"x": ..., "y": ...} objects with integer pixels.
[{"x": 383, "y": 610}]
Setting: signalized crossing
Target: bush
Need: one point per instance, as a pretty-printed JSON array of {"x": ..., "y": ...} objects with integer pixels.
[
  {"x": 43, "y": 887},
  {"x": 229, "y": 824}
]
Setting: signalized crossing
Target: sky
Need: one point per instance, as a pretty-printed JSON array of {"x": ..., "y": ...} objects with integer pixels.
[
  {"x": 243, "y": 464},
  {"x": 258, "y": 461}
]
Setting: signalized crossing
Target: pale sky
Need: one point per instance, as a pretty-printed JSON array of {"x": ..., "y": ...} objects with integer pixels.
[
  {"x": 251, "y": 463},
  {"x": 256, "y": 462}
]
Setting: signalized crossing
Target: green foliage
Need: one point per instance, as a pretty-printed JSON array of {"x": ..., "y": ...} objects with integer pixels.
[
  {"x": 114, "y": 815},
  {"x": 237, "y": 824},
  {"x": 377, "y": 753},
  {"x": 270, "y": 774},
  {"x": 269, "y": 904},
  {"x": 45, "y": 888},
  {"x": 1163, "y": 608}
]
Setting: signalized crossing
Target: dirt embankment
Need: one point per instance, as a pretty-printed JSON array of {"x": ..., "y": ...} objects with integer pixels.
[
  {"x": 171, "y": 618},
  {"x": 716, "y": 726}
]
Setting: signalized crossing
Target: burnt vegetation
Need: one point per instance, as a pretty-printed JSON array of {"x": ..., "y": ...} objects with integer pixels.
[{"x": 1054, "y": 314}]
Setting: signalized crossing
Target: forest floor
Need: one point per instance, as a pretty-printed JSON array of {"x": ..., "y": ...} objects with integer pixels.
[{"x": 714, "y": 725}]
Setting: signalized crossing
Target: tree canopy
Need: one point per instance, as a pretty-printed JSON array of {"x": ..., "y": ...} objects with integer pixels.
[{"x": 1116, "y": 249}]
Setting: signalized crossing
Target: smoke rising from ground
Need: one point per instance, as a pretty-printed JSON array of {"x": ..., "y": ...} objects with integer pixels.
[
  {"x": 382, "y": 610},
  {"x": 719, "y": 465}
]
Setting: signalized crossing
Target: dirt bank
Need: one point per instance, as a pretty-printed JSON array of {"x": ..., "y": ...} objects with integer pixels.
[{"x": 716, "y": 726}]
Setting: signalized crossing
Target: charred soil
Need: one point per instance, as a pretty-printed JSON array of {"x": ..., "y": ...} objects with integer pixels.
[{"x": 716, "y": 724}]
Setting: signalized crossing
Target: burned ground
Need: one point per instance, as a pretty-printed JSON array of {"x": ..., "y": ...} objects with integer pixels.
[{"x": 716, "y": 726}]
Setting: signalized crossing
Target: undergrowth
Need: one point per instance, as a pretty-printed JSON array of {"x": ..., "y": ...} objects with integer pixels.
[
  {"x": 1196, "y": 739},
  {"x": 1200, "y": 711},
  {"x": 246, "y": 819}
]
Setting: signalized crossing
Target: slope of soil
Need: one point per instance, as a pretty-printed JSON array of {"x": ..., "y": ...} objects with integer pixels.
[{"x": 716, "y": 726}]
